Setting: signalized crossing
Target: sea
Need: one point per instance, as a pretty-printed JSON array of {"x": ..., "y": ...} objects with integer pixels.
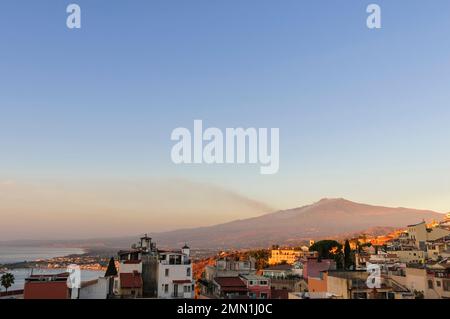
[{"x": 13, "y": 254}]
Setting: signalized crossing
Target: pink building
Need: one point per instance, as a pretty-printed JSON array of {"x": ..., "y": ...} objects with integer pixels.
[
  {"x": 312, "y": 267},
  {"x": 258, "y": 286}
]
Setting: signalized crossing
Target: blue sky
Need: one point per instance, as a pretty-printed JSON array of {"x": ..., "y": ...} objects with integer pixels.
[{"x": 363, "y": 114}]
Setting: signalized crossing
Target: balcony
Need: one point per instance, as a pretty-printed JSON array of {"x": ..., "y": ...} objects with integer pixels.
[
  {"x": 182, "y": 295},
  {"x": 175, "y": 262}
]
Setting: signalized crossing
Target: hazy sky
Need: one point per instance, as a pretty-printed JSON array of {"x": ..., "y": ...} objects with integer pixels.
[{"x": 363, "y": 114}]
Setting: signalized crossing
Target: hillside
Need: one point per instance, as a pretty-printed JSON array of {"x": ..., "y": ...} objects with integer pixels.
[
  {"x": 332, "y": 218},
  {"x": 328, "y": 217}
]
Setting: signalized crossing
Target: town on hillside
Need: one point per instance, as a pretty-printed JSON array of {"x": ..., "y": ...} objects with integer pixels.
[{"x": 411, "y": 263}]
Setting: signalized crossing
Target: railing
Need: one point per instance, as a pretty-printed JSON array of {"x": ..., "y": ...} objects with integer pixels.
[
  {"x": 185, "y": 263},
  {"x": 11, "y": 293},
  {"x": 181, "y": 295}
]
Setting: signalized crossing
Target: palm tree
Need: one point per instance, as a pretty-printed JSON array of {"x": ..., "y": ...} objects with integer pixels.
[{"x": 7, "y": 280}]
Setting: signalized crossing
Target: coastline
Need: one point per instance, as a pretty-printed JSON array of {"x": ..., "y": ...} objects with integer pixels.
[
  {"x": 20, "y": 274},
  {"x": 90, "y": 261},
  {"x": 38, "y": 255}
]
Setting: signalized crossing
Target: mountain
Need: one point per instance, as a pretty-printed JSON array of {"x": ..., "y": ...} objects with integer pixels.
[{"x": 326, "y": 218}]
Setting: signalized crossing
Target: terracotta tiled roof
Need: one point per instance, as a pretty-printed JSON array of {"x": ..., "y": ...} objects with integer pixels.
[
  {"x": 61, "y": 275},
  {"x": 280, "y": 267},
  {"x": 280, "y": 293},
  {"x": 313, "y": 267},
  {"x": 132, "y": 262},
  {"x": 131, "y": 280},
  {"x": 230, "y": 282}
]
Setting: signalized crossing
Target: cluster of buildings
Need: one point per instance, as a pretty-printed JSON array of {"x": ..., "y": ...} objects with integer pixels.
[
  {"x": 289, "y": 255},
  {"x": 234, "y": 279},
  {"x": 418, "y": 259},
  {"x": 237, "y": 278},
  {"x": 412, "y": 264},
  {"x": 84, "y": 262},
  {"x": 140, "y": 272}
]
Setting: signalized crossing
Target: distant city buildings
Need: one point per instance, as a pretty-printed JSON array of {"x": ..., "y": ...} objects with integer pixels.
[
  {"x": 289, "y": 255},
  {"x": 228, "y": 267},
  {"x": 420, "y": 234},
  {"x": 222, "y": 280},
  {"x": 412, "y": 263}
]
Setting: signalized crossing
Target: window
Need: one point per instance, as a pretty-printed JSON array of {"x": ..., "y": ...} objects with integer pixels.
[
  {"x": 438, "y": 283},
  {"x": 446, "y": 285},
  {"x": 167, "y": 272},
  {"x": 359, "y": 295},
  {"x": 430, "y": 284},
  {"x": 166, "y": 288},
  {"x": 187, "y": 288},
  {"x": 263, "y": 283},
  {"x": 174, "y": 259},
  {"x": 263, "y": 295},
  {"x": 188, "y": 271}
]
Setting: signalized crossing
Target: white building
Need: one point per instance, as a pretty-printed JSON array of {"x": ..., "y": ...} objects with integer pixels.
[
  {"x": 175, "y": 274},
  {"x": 94, "y": 289},
  {"x": 163, "y": 274},
  {"x": 420, "y": 234},
  {"x": 228, "y": 267}
]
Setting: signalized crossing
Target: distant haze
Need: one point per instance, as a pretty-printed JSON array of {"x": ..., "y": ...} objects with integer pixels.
[
  {"x": 326, "y": 218},
  {"x": 118, "y": 208}
]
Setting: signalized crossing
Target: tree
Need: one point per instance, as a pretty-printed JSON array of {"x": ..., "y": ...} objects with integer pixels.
[
  {"x": 339, "y": 259},
  {"x": 327, "y": 249},
  {"x": 7, "y": 280},
  {"x": 261, "y": 256},
  {"x": 348, "y": 256},
  {"x": 111, "y": 271},
  {"x": 358, "y": 246}
]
